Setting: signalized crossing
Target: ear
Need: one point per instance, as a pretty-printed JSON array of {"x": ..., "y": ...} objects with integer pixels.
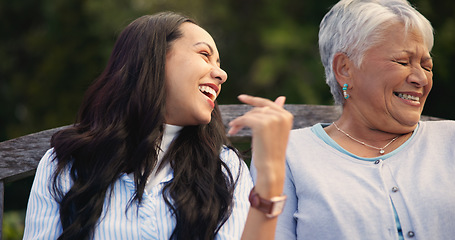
[{"x": 342, "y": 67}]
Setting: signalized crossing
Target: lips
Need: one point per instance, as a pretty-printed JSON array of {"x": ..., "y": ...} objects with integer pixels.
[{"x": 209, "y": 90}]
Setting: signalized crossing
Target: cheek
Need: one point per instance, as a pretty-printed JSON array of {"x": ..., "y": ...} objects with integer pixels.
[
  {"x": 173, "y": 88},
  {"x": 427, "y": 88},
  {"x": 430, "y": 81}
]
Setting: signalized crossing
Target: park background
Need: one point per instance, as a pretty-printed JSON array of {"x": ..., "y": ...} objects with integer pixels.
[{"x": 51, "y": 50}]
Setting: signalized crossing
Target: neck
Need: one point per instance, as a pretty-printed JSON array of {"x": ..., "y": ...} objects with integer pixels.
[{"x": 367, "y": 142}]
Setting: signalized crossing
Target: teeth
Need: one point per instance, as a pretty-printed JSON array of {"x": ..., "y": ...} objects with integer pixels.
[
  {"x": 407, "y": 97},
  {"x": 208, "y": 90}
]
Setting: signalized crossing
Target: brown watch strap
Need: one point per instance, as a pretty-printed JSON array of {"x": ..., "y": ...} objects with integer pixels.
[{"x": 271, "y": 208}]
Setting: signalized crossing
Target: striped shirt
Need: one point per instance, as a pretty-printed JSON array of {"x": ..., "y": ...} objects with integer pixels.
[{"x": 152, "y": 220}]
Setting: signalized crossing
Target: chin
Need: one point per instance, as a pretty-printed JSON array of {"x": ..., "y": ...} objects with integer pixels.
[
  {"x": 207, "y": 121},
  {"x": 408, "y": 126},
  {"x": 205, "y": 118},
  {"x": 202, "y": 120},
  {"x": 409, "y": 118}
]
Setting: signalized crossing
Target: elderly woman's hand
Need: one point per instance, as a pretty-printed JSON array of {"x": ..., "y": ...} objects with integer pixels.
[{"x": 270, "y": 124}]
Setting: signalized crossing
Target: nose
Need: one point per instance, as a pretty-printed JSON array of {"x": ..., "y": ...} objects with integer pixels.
[
  {"x": 419, "y": 76},
  {"x": 219, "y": 74}
]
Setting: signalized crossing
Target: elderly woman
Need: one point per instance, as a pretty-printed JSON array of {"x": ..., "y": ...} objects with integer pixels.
[{"x": 378, "y": 172}]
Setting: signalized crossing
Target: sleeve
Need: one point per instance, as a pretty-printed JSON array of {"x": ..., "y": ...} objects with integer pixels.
[
  {"x": 42, "y": 220},
  {"x": 287, "y": 224},
  {"x": 233, "y": 228}
]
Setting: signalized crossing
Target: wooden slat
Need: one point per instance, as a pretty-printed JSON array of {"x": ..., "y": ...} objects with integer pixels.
[
  {"x": 20, "y": 156},
  {"x": 304, "y": 116},
  {"x": 2, "y": 197}
]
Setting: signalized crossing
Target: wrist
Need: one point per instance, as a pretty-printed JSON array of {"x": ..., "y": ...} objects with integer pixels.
[
  {"x": 270, "y": 183},
  {"x": 272, "y": 207}
]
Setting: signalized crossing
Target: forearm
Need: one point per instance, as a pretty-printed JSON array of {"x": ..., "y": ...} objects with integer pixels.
[
  {"x": 269, "y": 184},
  {"x": 270, "y": 124}
]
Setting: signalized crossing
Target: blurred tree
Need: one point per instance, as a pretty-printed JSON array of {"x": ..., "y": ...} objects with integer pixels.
[
  {"x": 441, "y": 14},
  {"x": 51, "y": 50}
]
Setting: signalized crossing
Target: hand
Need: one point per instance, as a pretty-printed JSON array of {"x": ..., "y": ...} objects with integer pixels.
[{"x": 270, "y": 124}]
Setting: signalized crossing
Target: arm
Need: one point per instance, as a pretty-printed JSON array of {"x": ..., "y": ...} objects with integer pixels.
[
  {"x": 270, "y": 124},
  {"x": 42, "y": 219},
  {"x": 287, "y": 224},
  {"x": 234, "y": 226}
]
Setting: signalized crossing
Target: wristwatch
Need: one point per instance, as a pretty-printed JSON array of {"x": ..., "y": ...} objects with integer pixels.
[{"x": 271, "y": 208}]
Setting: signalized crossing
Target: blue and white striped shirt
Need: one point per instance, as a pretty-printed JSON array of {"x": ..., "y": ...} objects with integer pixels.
[{"x": 153, "y": 219}]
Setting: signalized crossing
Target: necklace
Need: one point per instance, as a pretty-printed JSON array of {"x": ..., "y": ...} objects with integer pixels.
[{"x": 381, "y": 150}]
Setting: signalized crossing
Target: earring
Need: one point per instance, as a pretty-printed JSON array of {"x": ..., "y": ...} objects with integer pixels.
[{"x": 345, "y": 88}]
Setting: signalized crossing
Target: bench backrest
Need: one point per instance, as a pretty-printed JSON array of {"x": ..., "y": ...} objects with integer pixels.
[{"x": 19, "y": 157}]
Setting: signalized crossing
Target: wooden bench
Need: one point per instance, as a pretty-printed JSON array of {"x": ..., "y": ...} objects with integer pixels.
[{"x": 19, "y": 157}]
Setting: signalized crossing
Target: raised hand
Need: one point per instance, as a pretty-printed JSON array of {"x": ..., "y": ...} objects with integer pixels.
[{"x": 270, "y": 124}]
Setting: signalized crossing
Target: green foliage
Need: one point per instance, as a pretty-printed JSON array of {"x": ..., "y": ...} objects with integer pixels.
[
  {"x": 13, "y": 225},
  {"x": 441, "y": 14},
  {"x": 51, "y": 50}
]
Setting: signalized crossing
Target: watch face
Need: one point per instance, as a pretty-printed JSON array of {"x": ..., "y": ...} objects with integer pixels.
[
  {"x": 277, "y": 207},
  {"x": 271, "y": 208}
]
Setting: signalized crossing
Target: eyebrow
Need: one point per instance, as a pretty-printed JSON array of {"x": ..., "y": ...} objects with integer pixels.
[
  {"x": 429, "y": 58},
  {"x": 210, "y": 48}
]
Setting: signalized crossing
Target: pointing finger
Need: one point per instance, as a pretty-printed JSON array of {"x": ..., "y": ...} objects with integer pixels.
[
  {"x": 280, "y": 101},
  {"x": 255, "y": 101}
]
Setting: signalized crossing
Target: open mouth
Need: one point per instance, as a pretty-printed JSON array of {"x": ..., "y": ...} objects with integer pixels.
[
  {"x": 407, "y": 96},
  {"x": 208, "y": 91}
]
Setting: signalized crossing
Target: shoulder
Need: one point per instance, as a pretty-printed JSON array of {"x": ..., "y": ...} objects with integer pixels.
[
  {"x": 300, "y": 139},
  {"x": 231, "y": 158},
  {"x": 300, "y": 132},
  {"x": 441, "y": 129},
  {"x": 46, "y": 170},
  {"x": 50, "y": 161},
  {"x": 47, "y": 163},
  {"x": 450, "y": 124},
  {"x": 48, "y": 156},
  {"x": 306, "y": 147},
  {"x": 238, "y": 167},
  {"x": 434, "y": 138}
]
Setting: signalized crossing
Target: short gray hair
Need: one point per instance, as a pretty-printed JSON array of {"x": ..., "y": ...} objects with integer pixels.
[{"x": 354, "y": 26}]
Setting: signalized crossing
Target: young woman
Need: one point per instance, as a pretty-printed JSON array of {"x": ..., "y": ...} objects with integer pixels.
[{"x": 148, "y": 157}]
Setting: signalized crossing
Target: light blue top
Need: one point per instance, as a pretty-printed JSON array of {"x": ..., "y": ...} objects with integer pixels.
[
  {"x": 153, "y": 219},
  {"x": 318, "y": 129},
  {"x": 333, "y": 195}
]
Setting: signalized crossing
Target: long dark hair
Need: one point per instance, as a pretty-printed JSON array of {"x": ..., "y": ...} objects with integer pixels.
[{"x": 119, "y": 130}]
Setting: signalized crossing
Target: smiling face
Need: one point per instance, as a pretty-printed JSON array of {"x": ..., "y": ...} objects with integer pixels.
[
  {"x": 193, "y": 77},
  {"x": 390, "y": 87}
]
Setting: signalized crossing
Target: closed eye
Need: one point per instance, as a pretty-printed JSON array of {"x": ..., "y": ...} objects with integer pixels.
[
  {"x": 205, "y": 54},
  {"x": 428, "y": 69},
  {"x": 427, "y": 64},
  {"x": 402, "y": 63}
]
